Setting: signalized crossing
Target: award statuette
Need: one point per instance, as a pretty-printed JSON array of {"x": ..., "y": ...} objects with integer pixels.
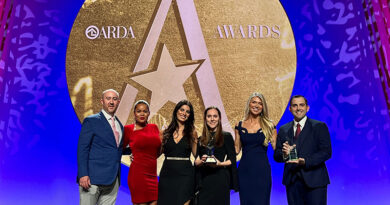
[
  {"x": 293, "y": 156},
  {"x": 210, "y": 152}
]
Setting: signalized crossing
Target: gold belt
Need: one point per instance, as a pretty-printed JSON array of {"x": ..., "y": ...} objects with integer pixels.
[{"x": 177, "y": 158}]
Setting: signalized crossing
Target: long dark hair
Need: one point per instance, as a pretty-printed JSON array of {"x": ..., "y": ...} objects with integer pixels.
[
  {"x": 206, "y": 134},
  {"x": 188, "y": 125}
]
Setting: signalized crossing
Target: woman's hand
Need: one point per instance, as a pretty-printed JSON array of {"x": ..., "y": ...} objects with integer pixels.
[
  {"x": 131, "y": 158},
  {"x": 200, "y": 161},
  {"x": 218, "y": 164},
  {"x": 204, "y": 157}
]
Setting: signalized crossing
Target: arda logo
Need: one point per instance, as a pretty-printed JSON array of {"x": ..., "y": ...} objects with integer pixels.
[
  {"x": 92, "y": 32},
  {"x": 108, "y": 32},
  {"x": 164, "y": 51}
]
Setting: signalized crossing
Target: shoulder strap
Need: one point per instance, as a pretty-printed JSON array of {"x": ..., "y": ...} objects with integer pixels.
[{"x": 239, "y": 126}]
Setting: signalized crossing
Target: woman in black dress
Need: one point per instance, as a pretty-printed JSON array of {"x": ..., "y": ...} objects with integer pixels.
[
  {"x": 216, "y": 161},
  {"x": 177, "y": 176}
]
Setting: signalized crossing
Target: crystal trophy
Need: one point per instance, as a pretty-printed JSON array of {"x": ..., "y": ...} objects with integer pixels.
[
  {"x": 210, "y": 152},
  {"x": 293, "y": 156}
]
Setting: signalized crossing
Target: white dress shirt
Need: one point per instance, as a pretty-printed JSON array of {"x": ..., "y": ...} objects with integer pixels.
[
  {"x": 117, "y": 125},
  {"x": 301, "y": 123}
]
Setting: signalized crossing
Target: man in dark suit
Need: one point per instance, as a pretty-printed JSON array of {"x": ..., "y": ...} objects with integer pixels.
[
  {"x": 99, "y": 153},
  {"x": 306, "y": 179}
]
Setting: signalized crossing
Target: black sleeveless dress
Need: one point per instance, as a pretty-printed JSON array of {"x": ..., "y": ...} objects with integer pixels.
[
  {"x": 177, "y": 176},
  {"x": 254, "y": 170}
]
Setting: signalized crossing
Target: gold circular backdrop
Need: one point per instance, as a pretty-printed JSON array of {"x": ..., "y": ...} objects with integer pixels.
[{"x": 249, "y": 46}]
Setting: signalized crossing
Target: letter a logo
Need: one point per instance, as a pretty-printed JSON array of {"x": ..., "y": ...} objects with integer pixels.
[{"x": 166, "y": 83}]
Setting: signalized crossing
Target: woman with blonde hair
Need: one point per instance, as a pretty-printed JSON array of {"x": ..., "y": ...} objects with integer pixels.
[{"x": 253, "y": 135}]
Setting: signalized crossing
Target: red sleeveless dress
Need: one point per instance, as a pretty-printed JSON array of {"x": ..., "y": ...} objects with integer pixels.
[{"x": 145, "y": 146}]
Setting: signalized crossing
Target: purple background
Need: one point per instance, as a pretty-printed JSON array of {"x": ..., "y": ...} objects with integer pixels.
[{"x": 336, "y": 71}]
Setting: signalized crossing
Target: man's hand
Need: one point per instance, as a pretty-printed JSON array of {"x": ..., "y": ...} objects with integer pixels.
[
  {"x": 300, "y": 161},
  {"x": 286, "y": 148},
  {"x": 85, "y": 182}
]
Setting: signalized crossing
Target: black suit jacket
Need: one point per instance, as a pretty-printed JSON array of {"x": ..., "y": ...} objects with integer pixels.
[{"x": 314, "y": 146}]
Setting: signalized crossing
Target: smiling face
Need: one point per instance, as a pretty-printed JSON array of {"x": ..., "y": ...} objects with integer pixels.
[
  {"x": 212, "y": 119},
  {"x": 141, "y": 113},
  {"x": 298, "y": 108},
  {"x": 183, "y": 113},
  {"x": 255, "y": 106},
  {"x": 110, "y": 102}
]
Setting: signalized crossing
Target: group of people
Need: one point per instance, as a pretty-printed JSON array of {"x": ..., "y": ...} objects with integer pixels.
[{"x": 214, "y": 172}]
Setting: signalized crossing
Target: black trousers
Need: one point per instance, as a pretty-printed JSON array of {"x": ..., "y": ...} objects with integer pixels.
[{"x": 298, "y": 193}]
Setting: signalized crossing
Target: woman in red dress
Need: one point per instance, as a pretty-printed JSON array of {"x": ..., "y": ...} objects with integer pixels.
[{"x": 145, "y": 143}]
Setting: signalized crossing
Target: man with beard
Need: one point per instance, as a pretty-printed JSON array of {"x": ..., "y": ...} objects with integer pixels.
[{"x": 99, "y": 153}]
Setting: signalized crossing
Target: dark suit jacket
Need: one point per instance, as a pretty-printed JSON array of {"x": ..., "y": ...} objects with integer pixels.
[
  {"x": 314, "y": 146},
  {"x": 97, "y": 153}
]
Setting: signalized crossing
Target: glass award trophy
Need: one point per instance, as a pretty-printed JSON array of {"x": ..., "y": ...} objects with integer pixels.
[
  {"x": 293, "y": 156},
  {"x": 210, "y": 152}
]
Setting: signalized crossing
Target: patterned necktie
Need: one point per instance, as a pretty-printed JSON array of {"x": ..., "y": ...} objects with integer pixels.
[
  {"x": 116, "y": 133},
  {"x": 298, "y": 131}
]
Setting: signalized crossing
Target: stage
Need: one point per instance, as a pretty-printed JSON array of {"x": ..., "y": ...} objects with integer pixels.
[{"x": 58, "y": 56}]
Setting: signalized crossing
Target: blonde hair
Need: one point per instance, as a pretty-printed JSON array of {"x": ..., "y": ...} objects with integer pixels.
[{"x": 265, "y": 123}]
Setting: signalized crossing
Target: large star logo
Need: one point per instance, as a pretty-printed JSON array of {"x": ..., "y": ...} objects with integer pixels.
[
  {"x": 173, "y": 85},
  {"x": 166, "y": 83}
]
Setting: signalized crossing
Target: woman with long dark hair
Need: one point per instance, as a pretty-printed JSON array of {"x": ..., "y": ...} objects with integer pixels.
[
  {"x": 218, "y": 174},
  {"x": 177, "y": 176}
]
